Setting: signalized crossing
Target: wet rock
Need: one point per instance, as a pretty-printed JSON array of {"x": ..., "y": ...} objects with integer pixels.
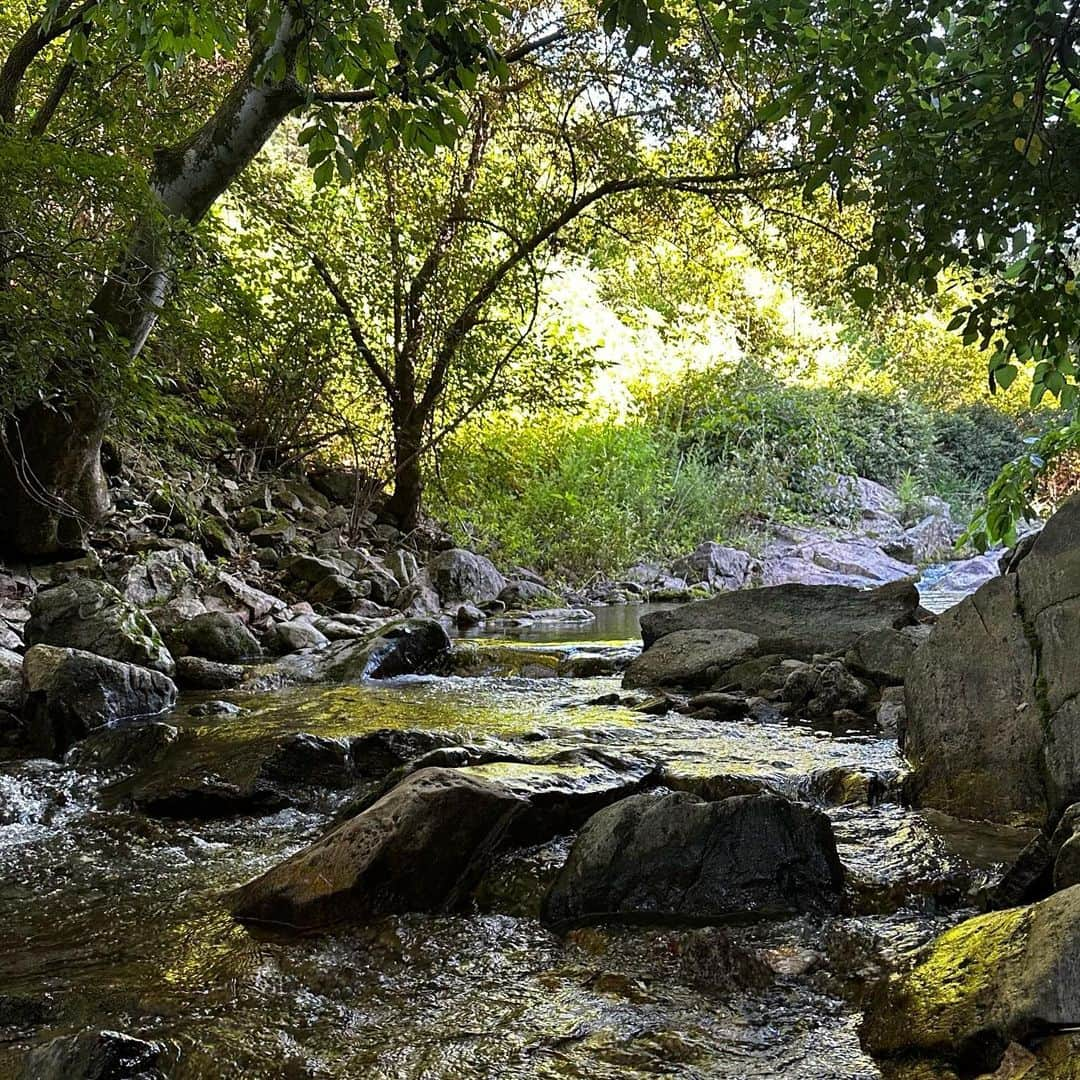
[
  {"x": 195, "y": 673},
  {"x": 715, "y": 565},
  {"x": 289, "y": 637},
  {"x": 93, "y": 617},
  {"x": 718, "y": 705},
  {"x": 468, "y": 615},
  {"x": 844, "y": 785},
  {"x": 98, "y": 1055},
  {"x": 315, "y": 760},
  {"x": 690, "y": 658},
  {"x": 995, "y": 979},
  {"x": 422, "y": 847},
  {"x": 517, "y": 881},
  {"x": 892, "y": 712},
  {"x": 134, "y": 746},
  {"x": 1027, "y": 879},
  {"x": 564, "y": 790},
  {"x": 884, "y": 655},
  {"x": 201, "y": 798},
  {"x": 584, "y": 664},
  {"x": 215, "y": 708},
  {"x": 218, "y": 636},
  {"x": 417, "y": 645},
  {"x": 825, "y": 690},
  {"x": 792, "y": 620},
  {"x": 378, "y": 753},
  {"x": 459, "y": 576},
  {"x": 69, "y": 693},
  {"x": 675, "y": 856}
]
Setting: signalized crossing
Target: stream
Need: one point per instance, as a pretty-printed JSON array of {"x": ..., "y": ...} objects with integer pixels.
[{"x": 111, "y": 919}]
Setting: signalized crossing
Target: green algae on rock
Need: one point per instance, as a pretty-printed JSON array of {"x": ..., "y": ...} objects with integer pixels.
[{"x": 994, "y": 979}]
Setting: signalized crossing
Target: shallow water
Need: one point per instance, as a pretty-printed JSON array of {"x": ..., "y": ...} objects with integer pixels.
[{"x": 112, "y": 919}]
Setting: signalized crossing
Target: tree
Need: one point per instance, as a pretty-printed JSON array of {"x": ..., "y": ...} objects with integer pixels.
[
  {"x": 436, "y": 265},
  {"x": 956, "y": 125},
  {"x": 400, "y": 70}
]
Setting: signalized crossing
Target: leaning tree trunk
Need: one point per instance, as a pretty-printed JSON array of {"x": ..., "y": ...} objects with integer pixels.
[{"x": 51, "y": 483}]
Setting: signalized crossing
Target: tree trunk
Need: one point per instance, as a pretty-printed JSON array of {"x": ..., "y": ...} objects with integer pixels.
[
  {"x": 51, "y": 483},
  {"x": 405, "y": 503}
]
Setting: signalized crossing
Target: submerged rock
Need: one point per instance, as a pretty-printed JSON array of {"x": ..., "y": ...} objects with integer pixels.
[
  {"x": 94, "y": 1055},
  {"x": 792, "y": 620},
  {"x": 422, "y": 847},
  {"x": 92, "y": 616},
  {"x": 69, "y": 693},
  {"x": 1007, "y": 976},
  {"x": 677, "y": 857}
]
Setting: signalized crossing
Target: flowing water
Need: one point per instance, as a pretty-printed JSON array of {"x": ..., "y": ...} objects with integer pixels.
[{"x": 112, "y": 919}]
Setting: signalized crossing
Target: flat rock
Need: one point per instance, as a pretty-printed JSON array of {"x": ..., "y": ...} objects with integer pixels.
[
  {"x": 690, "y": 658},
  {"x": 793, "y": 620}
]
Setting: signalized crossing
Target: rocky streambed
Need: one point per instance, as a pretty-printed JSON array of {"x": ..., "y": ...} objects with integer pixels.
[{"x": 120, "y": 865}]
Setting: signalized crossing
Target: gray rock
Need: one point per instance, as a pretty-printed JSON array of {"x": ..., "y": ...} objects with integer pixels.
[
  {"x": 165, "y": 575},
  {"x": 892, "y": 712},
  {"x": 459, "y": 576},
  {"x": 92, "y": 616},
  {"x": 824, "y": 690},
  {"x": 69, "y": 693},
  {"x": 437, "y": 819},
  {"x": 197, "y": 673},
  {"x": 311, "y": 569},
  {"x": 992, "y": 698},
  {"x": 717, "y": 566},
  {"x": 884, "y": 655},
  {"x": 998, "y": 978},
  {"x": 339, "y": 592},
  {"x": 294, "y": 636},
  {"x": 468, "y": 615},
  {"x": 306, "y": 759},
  {"x": 219, "y": 636},
  {"x": 10, "y": 665},
  {"x": 793, "y": 620},
  {"x": 676, "y": 857},
  {"x": 690, "y": 658},
  {"x": 98, "y": 1055}
]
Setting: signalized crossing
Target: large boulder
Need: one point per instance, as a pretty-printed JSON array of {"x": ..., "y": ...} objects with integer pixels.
[
  {"x": 219, "y": 636},
  {"x": 69, "y": 693},
  {"x": 885, "y": 655},
  {"x": 993, "y": 698},
  {"x": 974, "y": 732},
  {"x": 690, "y": 658},
  {"x": 1007, "y": 976},
  {"x": 459, "y": 576},
  {"x": 824, "y": 560},
  {"x": 420, "y": 848},
  {"x": 164, "y": 575},
  {"x": 679, "y": 857},
  {"x": 92, "y": 616},
  {"x": 793, "y": 620}
]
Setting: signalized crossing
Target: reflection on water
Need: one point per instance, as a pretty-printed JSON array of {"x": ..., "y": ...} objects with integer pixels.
[{"x": 112, "y": 919}]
